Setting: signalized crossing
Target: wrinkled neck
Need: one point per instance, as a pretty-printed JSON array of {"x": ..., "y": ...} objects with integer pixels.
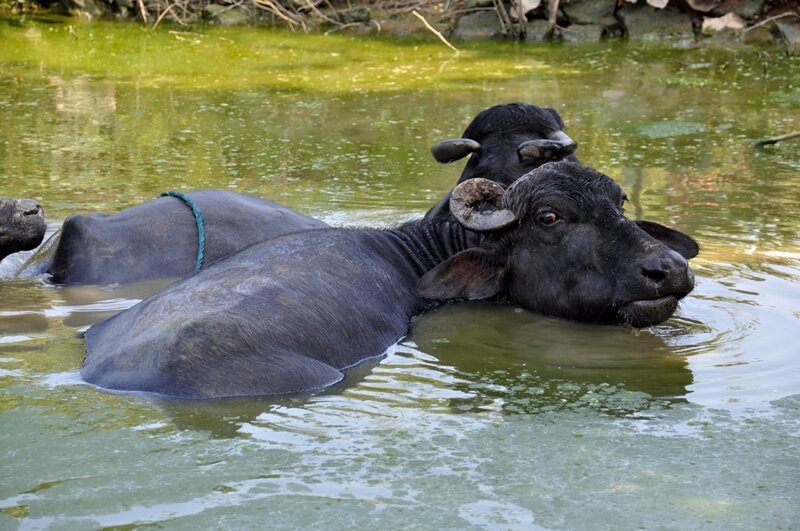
[{"x": 423, "y": 244}]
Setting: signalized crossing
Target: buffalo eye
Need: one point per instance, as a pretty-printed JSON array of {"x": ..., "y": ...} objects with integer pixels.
[{"x": 547, "y": 217}]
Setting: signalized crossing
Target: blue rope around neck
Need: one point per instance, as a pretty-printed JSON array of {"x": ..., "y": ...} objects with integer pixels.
[{"x": 198, "y": 218}]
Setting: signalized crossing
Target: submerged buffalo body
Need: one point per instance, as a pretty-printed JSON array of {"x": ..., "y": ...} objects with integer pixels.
[
  {"x": 290, "y": 314},
  {"x": 503, "y": 143},
  {"x": 159, "y": 239},
  {"x": 22, "y": 225}
]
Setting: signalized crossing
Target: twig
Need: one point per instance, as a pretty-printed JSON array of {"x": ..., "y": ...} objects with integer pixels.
[
  {"x": 775, "y": 139},
  {"x": 142, "y": 10},
  {"x": 770, "y": 19},
  {"x": 341, "y": 27},
  {"x": 505, "y": 23},
  {"x": 164, "y": 13},
  {"x": 277, "y": 11},
  {"x": 319, "y": 13},
  {"x": 435, "y": 31}
]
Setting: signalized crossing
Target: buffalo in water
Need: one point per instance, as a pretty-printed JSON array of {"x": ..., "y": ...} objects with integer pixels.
[
  {"x": 158, "y": 239},
  {"x": 22, "y": 225},
  {"x": 290, "y": 314}
]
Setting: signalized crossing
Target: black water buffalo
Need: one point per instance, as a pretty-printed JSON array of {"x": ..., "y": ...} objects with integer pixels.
[
  {"x": 159, "y": 239},
  {"x": 290, "y": 314},
  {"x": 503, "y": 143},
  {"x": 22, "y": 225}
]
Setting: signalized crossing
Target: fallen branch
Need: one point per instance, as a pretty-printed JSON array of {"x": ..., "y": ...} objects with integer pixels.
[
  {"x": 142, "y": 10},
  {"x": 276, "y": 10},
  {"x": 770, "y": 19},
  {"x": 164, "y": 13},
  {"x": 775, "y": 139},
  {"x": 435, "y": 31}
]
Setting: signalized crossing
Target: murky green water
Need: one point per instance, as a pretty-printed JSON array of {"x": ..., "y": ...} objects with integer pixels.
[{"x": 485, "y": 416}]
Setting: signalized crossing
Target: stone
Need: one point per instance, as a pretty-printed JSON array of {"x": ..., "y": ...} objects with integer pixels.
[
  {"x": 787, "y": 34},
  {"x": 583, "y": 33},
  {"x": 537, "y": 31},
  {"x": 480, "y": 25},
  {"x": 730, "y": 22},
  {"x": 647, "y": 23},
  {"x": 747, "y": 9},
  {"x": 225, "y": 16},
  {"x": 704, "y": 6},
  {"x": 590, "y": 11}
]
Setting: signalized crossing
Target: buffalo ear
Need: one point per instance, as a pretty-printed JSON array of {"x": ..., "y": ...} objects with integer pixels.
[
  {"x": 675, "y": 240},
  {"x": 470, "y": 275}
]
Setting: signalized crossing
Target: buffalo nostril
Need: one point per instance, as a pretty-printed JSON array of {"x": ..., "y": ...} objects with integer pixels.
[
  {"x": 29, "y": 207},
  {"x": 656, "y": 275}
]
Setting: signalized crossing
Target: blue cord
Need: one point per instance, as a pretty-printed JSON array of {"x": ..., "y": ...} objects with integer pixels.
[{"x": 198, "y": 218}]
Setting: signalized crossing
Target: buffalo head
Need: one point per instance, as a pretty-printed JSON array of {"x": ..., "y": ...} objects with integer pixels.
[
  {"x": 22, "y": 225},
  {"x": 507, "y": 141},
  {"x": 558, "y": 243}
]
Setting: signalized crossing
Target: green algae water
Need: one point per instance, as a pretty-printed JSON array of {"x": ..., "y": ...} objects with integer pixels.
[{"x": 484, "y": 416}]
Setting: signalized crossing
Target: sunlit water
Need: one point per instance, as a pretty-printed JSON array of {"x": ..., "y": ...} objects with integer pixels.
[{"x": 485, "y": 416}]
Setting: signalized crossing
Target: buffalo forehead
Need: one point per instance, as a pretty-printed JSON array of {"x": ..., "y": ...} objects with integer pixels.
[
  {"x": 587, "y": 191},
  {"x": 511, "y": 119}
]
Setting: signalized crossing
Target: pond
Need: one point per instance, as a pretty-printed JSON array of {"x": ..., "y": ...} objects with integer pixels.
[{"x": 485, "y": 416}]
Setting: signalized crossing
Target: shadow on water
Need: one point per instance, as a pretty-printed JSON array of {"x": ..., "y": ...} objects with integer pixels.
[{"x": 534, "y": 363}]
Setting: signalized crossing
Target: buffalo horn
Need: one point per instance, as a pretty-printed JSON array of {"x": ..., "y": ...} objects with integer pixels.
[
  {"x": 556, "y": 147},
  {"x": 477, "y": 205},
  {"x": 454, "y": 149}
]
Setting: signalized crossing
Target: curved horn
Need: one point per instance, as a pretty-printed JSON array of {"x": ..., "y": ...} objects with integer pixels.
[
  {"x": 476, "y": 204},
  {"x": 556, "y": 147},
  {"x": 454, "y": 149}
]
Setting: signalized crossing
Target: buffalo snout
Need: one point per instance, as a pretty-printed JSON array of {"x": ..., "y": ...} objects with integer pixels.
[
  {"x": 27, "y": 207},
  {"x": 668, "y": 273}
]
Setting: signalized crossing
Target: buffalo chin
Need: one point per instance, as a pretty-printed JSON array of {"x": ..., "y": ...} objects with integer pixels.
[{"x": 648, "y": 312}]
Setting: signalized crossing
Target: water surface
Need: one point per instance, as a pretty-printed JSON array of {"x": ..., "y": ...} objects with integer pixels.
[{"x": 485, "y": 416}]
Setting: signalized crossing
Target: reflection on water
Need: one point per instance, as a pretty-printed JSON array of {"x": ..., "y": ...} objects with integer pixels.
[{"x": 484, "y": 416}]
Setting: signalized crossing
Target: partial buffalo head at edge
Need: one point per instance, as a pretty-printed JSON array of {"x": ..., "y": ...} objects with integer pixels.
[
  {"x": 22, "y": 225},
  {"x": 574, "y": 254},
  {"x": 506, "y": 141}
]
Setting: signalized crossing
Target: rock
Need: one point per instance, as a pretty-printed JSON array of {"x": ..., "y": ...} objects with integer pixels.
[
  {"x": 225, "y": 16},
  {"x": 747, "y": 9},
  {"x": 590, "y": 11},
  {"x": 647, "y": 23},
  {"x": 658, "y": 4},
  {"x": 528, "y": 6},
  {"x": 787, "y": 34},
  {"x": 704, "y": 6},
  {"x": 731, "y": 23},
  {"x": 583, "y": 33},
  {"x": 88, "y": 8},
  {"x": 480, "y": 25},
  {"x": 537, "y": 31}
]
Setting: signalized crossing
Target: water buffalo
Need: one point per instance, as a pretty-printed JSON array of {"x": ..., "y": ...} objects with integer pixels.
[
  {"x": 22, "y": 225},
  {"x": 159, "y": 239},
  {"x": 503, "y": 143},
  {"x": 288, "y": 315}
]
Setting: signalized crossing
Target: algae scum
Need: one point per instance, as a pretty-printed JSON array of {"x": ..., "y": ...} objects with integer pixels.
[{"x": 485, "y": 416}]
